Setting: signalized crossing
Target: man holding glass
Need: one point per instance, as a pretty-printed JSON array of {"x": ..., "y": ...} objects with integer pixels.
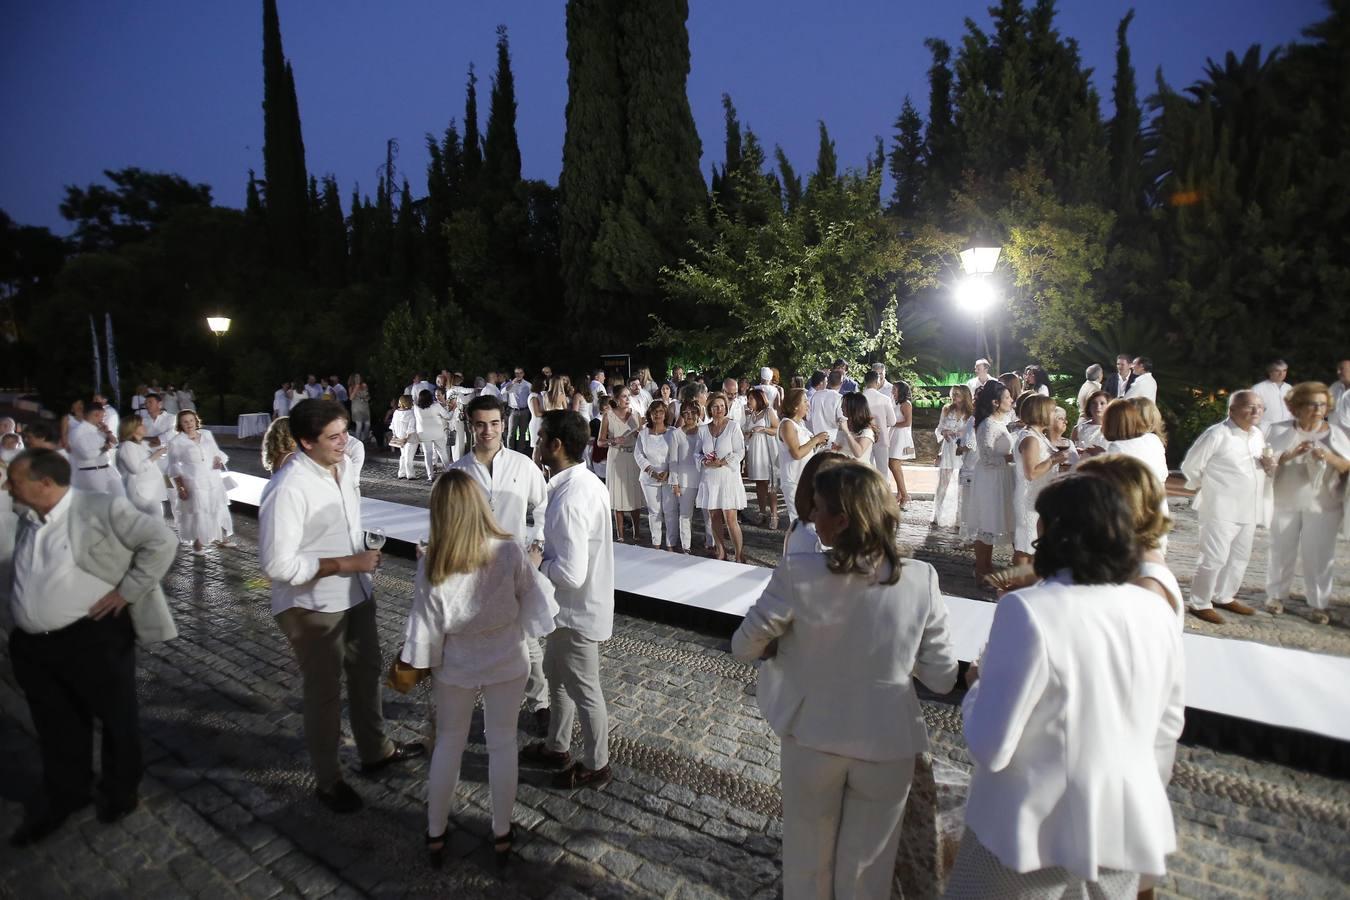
[{"x": 311, "y": 545}]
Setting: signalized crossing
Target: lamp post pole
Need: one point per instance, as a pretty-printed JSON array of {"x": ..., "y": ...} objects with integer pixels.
[{"x": 219, "y": 325}]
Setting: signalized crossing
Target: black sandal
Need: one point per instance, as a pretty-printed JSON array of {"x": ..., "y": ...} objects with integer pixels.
[
  {"x": 436, "y": 848},
  {"x": 501, "y": 846}
]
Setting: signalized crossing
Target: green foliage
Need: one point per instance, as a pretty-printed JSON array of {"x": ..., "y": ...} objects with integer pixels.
[
  {"x": 501, "y": 147},
  {"x": 139, "y": 202}
]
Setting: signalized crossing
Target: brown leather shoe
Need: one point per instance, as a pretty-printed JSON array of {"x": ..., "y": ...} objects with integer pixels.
[
  {"x": 578, "y": 776},
  {"x": 1207, "y": 615},
  {"x": 1237, "y": 607},
  {"x": 538, "y": 754}
]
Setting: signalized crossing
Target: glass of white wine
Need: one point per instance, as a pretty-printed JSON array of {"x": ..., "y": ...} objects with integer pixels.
[{"x": 375, "y": 538}]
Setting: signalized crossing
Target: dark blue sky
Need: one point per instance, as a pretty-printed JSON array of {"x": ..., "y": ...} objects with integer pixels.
[{"x": 87, "y": 85}]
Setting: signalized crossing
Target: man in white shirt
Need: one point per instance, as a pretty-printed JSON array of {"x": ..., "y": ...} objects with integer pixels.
[
  {"x": 490, "y": 388},
  {"x": 578, "y": 558},
  {"x": 823, "y": 413},
  {"x": 1340, "y": 396},
  {"x": 281, "y": 401},
  {"x": 338, "y": 389},
  {"x": 885, "y": 386},
  {"x": 1273, "y": 392},
  {"x": 77, "y": 619},
  {"x": 516, "y": 492},
  {"x": 516, "y": 394},
  {"x": 1227, "y": 466},
  {"x": 112, "y": 419},
  {"x": 1143, "y": 383},
  {"x": 598, "y": 385},
  {"x": 90, "y": 445},
  {"x": 735, "y": 402},
  {"x": 419, "y": 384},
  {"x": 313, "y": 390},
  {"x": 311, "y": 545},
  {"x": 882, "y": 409},
  {"x": 638, "y": 398},
  {"x": 981, "y": 378}
]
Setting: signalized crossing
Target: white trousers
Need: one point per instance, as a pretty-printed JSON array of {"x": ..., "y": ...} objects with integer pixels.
[
  {"x": 1225, "y": 549},
  {"x": 790, "y": 499},
  {"x": 841, "y": 823},
  {"x": 572, "y": 663},
  {"x": 456, "y": 441},
  {"x": 103, "y": 480},
  {"x": 434, "y": 450},
  {"x": 406, "y": 454},
  {"x": 1312, "y": 536},
  {"x": 685, "y": 514},
  {"x": 536, "y": 685},
  {"x": 662, "y": 506},
  {"x": 454, "y": 714}
]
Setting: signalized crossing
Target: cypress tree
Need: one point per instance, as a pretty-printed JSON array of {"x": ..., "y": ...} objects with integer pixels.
[
  {"x": 473, "y": 146},
  {"x": 941, "y": 157},
  {"x": 283, "y": 148},
  {"x": 907, "y": 169},
  {"x": 253, "y": 208},
  {"x": 501, "y": 148},
  {"x": 1123, "y": 137},
  {"x": 331, "y": 250}
]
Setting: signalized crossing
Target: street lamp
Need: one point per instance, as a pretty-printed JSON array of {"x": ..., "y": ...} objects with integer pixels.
[
  {"x": 219, "y": 326},
  {"x": 976, "y": 294}
]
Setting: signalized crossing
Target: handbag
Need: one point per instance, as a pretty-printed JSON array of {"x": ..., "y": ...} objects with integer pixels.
[
  {"x": 397, "y": 441},
  {"x": 228, "y": 480},
  {"x": 598, "y": 454},
  {"x": 403, "y": 677}
]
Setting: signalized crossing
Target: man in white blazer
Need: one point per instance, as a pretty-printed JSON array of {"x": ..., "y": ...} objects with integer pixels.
[
  {"x": 1227, "y": 465},
  {"x": 82, "y": 576}
]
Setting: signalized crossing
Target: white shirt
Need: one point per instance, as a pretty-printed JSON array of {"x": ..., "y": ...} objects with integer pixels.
[
  {"x": 1224, "y": 465},
  {"x": 490, "y": 390},
  {"x": 652, "y": 451},
  {"x": 514, "y": 486},
  {"x": 639, "y": 402},
  {"x": 975, "y": 384},
  {"x": 50, "y": 591},
  {"x": 517, "y": 394},
  {"x": 313, "y": 391},
  {"x": 308, "y": 515},
  {"x": 281, "y": 402},
  {"x": 404, "y": 424},
  {"x": 339, "y": 392},
  {"x": 1341, "y": 415},
  {"x": 598, "y": 388},
  {"x": 579, "y": 552},
  {"x": 87, "y": 447},
  {"x": 883, "y": 420},
  {"x": 1338, "y": 390},
  {"x": 771, "y": 393},
  {"x": 1143, "y": 386},
  {"x": 736, "y": 411},
  {"x": 823, "y": 413},
  {"x": 1272, "y": 395}
]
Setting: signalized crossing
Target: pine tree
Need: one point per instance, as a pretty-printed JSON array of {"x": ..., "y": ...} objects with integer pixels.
[
  {"x": 724, "y": 187},
  {"x": 501, "y": 148},
  {"x": 942, "y": 162},
  {"x": 283, "y": 148},
  {"x": 792, "y": 182},
  {"x": 907, "y": 169},
  {"x": 1123, "y": 137}
]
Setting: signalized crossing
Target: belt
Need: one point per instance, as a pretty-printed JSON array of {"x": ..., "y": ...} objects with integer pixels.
[{"x": 93, "y": 468}]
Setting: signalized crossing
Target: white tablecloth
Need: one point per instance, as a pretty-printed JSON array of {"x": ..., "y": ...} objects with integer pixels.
[{"x": 253, "y": 423}]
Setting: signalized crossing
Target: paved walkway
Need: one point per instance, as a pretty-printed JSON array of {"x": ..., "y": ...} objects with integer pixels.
[{"x": 692, "y": 813}]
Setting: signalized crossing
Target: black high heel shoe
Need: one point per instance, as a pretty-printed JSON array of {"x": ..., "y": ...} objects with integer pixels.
[
  {"x": 501, "y": 847},
  {"x": 436, "y": 848}
]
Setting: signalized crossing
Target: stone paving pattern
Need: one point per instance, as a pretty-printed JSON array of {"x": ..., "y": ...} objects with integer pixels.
[{"x": 692, "y": 813}]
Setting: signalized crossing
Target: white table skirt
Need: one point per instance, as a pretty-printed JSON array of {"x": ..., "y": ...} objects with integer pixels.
[{"x": 253, "y": 423}]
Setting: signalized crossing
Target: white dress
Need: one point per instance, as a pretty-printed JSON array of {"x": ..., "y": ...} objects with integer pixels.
[
  {"x": 206, "y": 511},
  {"x": 902, "y": 437},
  {"x": 946, "y": 497},
  {"x": 866, "y": 458},
  {"x": 1026, "y": 491},
  {"x": 1089, "y": 434},
  {"x": 721, "y": 487},
  {"x": 536, "y": 422},
  {"x": 948, "y": 432},
  {"x": 991, "y": 518},
  {"x": 143, "y": 480},
  {"x": 759, "y": 449},
  {"x": 621, "y": 469},
  {"x": 965, "y": 510}
]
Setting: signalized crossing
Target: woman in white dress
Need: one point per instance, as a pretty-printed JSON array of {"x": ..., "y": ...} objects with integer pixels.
[
  {"x": 619, "y": 432},
  {"x": 951, "y": 425},
  {"x": 685, "y": 472},
  {"x": 403, "y": 429},
  {"x": 1312, "y": 457},
  {"x": 901, "y": 439},
  {"x": 360, "y": 400},
  {"x": 196, "y": 463},
  {"x": 652, "y": 455},
  {"x": 721, "y": 448},
  {"x": 1087, "y": 434},
  {"x": 431, "y": 419},
  {"x": 141, "y": 477},
  {"x": 1035, "y": 463},
  {"x": 856, "y": 433},
  {"x": 761, "y": 452},
  {"x": 991, "y": 491},
  {"x": 476, "y": 600},
  {"x": 1127, "y": 431},
  {"x": 1036, "y": 380},
  {"x": 965, "y": 450},
  {"x": 796, "y": 444}
]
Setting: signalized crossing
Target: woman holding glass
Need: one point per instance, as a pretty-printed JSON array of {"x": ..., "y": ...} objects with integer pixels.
[
  {"x": 845, "y": 632},
  {"x": 619, "y": 432},
  {"x": 721, "y": 448},
  {"x": 476, "y": 600},
  {"x": 141, "y": 477}
]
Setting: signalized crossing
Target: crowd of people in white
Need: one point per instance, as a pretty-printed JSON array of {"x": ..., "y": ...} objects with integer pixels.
[{"x": 521, "y": 547}]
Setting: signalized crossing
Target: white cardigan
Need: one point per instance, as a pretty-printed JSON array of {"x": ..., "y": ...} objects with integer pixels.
[
  {"x": 1073, "y": 724},
  {"x": 847, "y": 647}
]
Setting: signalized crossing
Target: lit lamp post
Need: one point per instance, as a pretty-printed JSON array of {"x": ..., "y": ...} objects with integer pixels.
[
  {"x": 219, "y": 325},
  {"x": 976, "y": 293}
]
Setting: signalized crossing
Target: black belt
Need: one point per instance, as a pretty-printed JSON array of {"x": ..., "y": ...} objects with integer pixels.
[{"x": 93, "y": 468}]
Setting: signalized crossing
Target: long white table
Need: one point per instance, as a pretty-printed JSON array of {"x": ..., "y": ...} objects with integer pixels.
[{"x": 1258, "y": 682}]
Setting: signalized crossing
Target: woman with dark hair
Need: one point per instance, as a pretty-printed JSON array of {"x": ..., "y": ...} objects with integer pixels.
[
  {"x": 1087, "y": 434},
  {"x": 721, "y": 448},
  {"x": 1035, "y": 463},
  {"x": 432, "y": 419},
  {"x": 795, "y": 446},
  {"x": 901, "y": 439},
  {"x": 652, "y": 455},
  {"x": 1082, "y": 677},
  {"x": 991, "y": 520},
  {"x": 845, "y": 633},
  {"x": 856, "y": 433},
  {"x": 1034, "y": 378},
  {"x": 619, "y": 432},
  {"x": 801, "y": 535},
  {"x": 759, "y": 428}
]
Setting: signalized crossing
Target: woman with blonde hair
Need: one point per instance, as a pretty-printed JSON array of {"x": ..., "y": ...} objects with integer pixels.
[
  {"x": 1126, "y": 429},
  {"x": 951, "y": 425},
  {"x": 359, "y": 396},
  {"x": 476, "y": 600},
  {"x": 1152, "y": 417},
  {"x": 852, "y": 622},
  {"x": 141, "y": 477},
  {"x": 1035, "y": 462},
  {"x": 403, "y": 428},
  {"x": 278, "y": 445},
  {"x": 721, "y": 447}
]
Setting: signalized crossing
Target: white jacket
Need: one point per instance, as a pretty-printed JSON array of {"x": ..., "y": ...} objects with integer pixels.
[
  {"x": 1224, "y": 466},
  {"x": 1072, "y": 725},
  {"x": 841, "y": 681}
]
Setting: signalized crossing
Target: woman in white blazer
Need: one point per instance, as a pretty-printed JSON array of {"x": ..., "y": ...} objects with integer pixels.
[
  {"x": 845, "y": 631},
  {"x": 1073, "y": 715}
]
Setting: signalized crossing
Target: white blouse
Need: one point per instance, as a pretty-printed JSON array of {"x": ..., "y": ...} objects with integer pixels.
[
  {"x": 729, "y": 445},
  {"x": 652, "y": 451}
]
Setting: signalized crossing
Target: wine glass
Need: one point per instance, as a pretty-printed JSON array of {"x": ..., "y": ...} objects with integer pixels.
[
  {"x": 375, "y": 539},
  {"x": 422, "y": 543}
]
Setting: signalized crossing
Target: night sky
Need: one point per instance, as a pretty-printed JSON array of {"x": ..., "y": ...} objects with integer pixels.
[{"x": 87, "y": 85}]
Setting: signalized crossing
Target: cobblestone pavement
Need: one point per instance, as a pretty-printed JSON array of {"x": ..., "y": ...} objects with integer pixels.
[
  {"x": 692, "y": 813},
  {"x": 955, "y": 562}
]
